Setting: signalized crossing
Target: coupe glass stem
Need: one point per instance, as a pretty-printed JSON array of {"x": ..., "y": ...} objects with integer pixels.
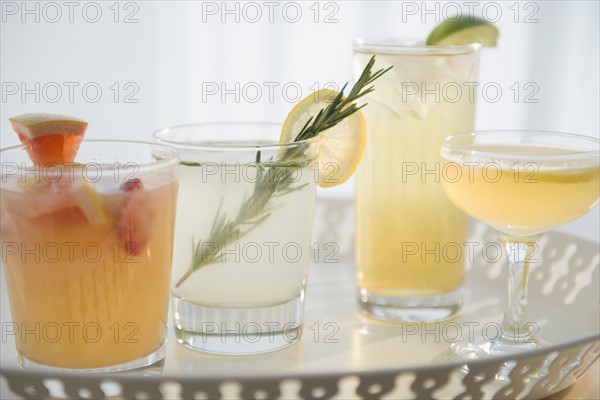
[{"x": 519, "y": 250}]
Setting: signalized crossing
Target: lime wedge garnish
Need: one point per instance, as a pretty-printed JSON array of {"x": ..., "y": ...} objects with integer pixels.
[{"x": 465, "y": 30}]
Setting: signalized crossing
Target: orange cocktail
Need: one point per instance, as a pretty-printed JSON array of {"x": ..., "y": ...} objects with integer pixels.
[{"x": 87, "y": 254}]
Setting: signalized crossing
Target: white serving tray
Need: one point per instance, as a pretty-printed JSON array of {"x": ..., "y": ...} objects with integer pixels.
[{"x": 343, "y": 354}]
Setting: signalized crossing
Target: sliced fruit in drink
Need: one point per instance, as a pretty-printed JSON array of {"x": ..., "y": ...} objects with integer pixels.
[
  {"x": 133, "y": 228},
  {"x": 88, "y": 200},
  {"x": 69, "y": 216},
  {"x": 37, "y": 200},
  {"x": 340, "y": 147},
  {"x": 49, "y": 138},
  {"x": 131, "y": 185},
  {"x": 65, "y": 194}
]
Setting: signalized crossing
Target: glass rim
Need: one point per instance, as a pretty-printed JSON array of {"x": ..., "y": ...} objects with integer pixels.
[
  {"x": 460, "y": 149},
  {"x": 409, "y": 46},
  {"x": 172, "y": 159},
  {"x": 221, "y": 146}
]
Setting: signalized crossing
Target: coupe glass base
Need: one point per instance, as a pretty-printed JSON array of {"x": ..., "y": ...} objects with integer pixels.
[{"x": 481, "y": 348}]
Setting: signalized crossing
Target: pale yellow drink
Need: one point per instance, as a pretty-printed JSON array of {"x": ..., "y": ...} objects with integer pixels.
[
  {"x": 407, "y": 232},
  {"x": 523, "y": 183},
  {"x": 521, "y": 198},
  {"x": 242, "y": 246}
]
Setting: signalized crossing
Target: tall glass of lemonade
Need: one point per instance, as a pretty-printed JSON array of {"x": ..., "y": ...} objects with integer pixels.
[{"x": 408, "y": 235}]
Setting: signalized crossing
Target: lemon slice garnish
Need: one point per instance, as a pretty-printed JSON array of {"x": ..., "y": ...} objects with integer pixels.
[
  {"x": 340, "y": 147},
  {"x": 89, "y": 202}
]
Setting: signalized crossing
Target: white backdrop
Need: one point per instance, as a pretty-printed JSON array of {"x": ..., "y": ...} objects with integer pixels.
[{"x": 130, "y": 68}]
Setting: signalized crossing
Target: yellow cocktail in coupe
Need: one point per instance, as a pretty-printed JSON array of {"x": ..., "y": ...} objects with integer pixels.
[
  {"x": 522, "y": 197},
  {"x": 522, "y": 183},
  {"x": 87, "y": 239}
]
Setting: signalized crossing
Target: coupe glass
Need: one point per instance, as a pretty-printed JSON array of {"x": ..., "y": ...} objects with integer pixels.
[{"x": 522, "y": 183}]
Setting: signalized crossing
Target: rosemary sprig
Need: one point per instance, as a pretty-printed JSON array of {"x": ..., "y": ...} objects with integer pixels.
[
  {"x": 341, "y": 107},
  {"x": 274, "y": 180},
  {"x": 274, "y": 177}
]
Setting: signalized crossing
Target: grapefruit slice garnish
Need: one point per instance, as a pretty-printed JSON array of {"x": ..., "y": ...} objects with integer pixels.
[{"x": 49, "y": 138}]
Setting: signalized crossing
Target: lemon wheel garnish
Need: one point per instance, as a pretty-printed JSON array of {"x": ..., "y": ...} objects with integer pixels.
[{"x": 340, "y": 147}]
